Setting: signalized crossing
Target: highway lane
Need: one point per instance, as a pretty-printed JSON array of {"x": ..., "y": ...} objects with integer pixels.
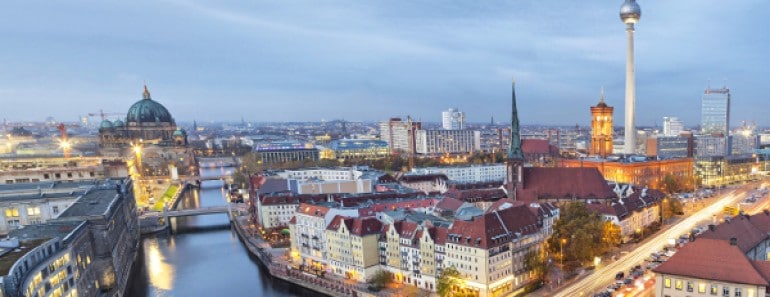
[{"x": 604, "y": 276}]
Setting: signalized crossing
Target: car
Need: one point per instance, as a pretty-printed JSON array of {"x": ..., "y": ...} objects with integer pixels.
[
  {"x": 620, "y": 275},
  {"x": 628, "y": 281}
]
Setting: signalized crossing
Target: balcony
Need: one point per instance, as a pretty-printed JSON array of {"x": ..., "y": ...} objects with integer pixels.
[{"x": 304, "y": 235}]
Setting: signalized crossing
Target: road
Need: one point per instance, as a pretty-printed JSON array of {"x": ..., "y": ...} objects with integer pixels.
[{"x": 604, "y": 276}]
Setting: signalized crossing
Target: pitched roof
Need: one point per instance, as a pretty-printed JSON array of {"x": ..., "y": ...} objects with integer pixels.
[
  {"x": 740, "y": 228},
  {"x": 449, "y": 203},
  {"x": 410, "y": 178},
  {"x": 473, "y": 195},
  {"x": 312, "y": 210},
  {"x": 366, "y": 226},
  {"x": 563, "y": 183},
  {"x": 273, "y": 185},
  {"x": 601, "y": 208},
  {"x": 494, "y": 228},
  {"x": 713, "y": 260},
  {"x": 503, "y": 204}
]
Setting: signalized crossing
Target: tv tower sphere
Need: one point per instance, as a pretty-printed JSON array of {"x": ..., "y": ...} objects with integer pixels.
[{"x": 630, "y": 12}]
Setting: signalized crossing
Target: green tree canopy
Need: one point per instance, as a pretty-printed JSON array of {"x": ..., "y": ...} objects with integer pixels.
[{"x": 579, "y": 232}]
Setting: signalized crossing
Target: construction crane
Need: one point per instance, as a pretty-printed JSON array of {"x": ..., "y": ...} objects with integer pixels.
[
  {"x": 63, "y": 141},
  {"x": 103, "y": 114}
]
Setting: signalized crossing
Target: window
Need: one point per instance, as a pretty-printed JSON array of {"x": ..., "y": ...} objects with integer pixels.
[
  {"x": 714, "y": 290},
  {"x": 689, "y": 286},
  {"x": 55, "y": 209},
  {"x": 701, "y": 288},
  {"x": 725, "y": 291},
  {"x": 738, "y": 292},
  {"x": 678, "y": 285},
  {"x": 667, "y": 283},
  {"x": 33, "y": 211},
  {"x": 11, "y": 212}
]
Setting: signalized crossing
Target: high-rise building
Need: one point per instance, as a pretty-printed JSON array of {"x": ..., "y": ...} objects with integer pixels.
[
  {"x": 439, "y": 142},
  {"x": 715, "y": 112},
  {"x": 452, "y": 119},
  {"x": 630, "y": 14},
  {"x": 399, "y": 134},
  {"x": 672, "y": 126},
  {"x": 601, "y": 128}
]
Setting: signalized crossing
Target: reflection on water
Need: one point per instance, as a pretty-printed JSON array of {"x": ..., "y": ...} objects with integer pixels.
[
  {"x": 202, "y": 257},
  {"x": 161, "y": 274}
]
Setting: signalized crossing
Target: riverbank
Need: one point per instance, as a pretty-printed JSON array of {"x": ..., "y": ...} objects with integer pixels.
[{"x": 276, "y": 263}]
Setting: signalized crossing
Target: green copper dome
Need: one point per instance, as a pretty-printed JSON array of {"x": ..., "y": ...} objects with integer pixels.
[
  {"x": 179, "y": 132},
  {"x": 148, "y": 111},
  {"x": 106, "y": 124},
  {"x": 118, "y": 123}
]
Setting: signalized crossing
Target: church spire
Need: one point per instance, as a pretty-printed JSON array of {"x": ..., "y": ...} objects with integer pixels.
[
  {"x": 514, "y": 148},
  {"x": 146, "y": 94},
  {"x": 601, "y": 95}
]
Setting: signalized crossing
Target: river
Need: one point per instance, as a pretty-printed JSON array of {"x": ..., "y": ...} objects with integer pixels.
[{"x": 202, "y": 256}]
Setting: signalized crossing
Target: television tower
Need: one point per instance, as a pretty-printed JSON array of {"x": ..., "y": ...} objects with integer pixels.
[{"x": 630, "y": 14}]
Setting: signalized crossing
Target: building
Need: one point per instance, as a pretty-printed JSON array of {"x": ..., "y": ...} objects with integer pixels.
[
  {"x": 710, "y": 146},
  {"x": 716, "y": 171},
  {"x": 37, "y": 203},
  {"x": 399, "y": 134},
  {"x": 670, "y": 147},
  {"x": 601, "y": 128},
  {"x": 715, "y": 112},
  {"x": 631, "y": 213},
  {"x": 89, "y": 250},
  {"x": 285, "y": 152},
  {"x": 427, "y": 183},
  {"x": 441, "y": 142},
  {"x": 639, "y": 171},
  {"x": 353, "y": 245},
  {"x": 452, "y": 119},
  {"x": 50, "y": 168},
  {"x": 468, "y": 173},
  {"x": 356, "y": 149},
  {"x": 709, "y": 267},
  {"x": 630, "y": 14},
  {"x": 744, "y": 140},
  {"x": 539, "y": 152},
  {"x": 672, "y": 126}
]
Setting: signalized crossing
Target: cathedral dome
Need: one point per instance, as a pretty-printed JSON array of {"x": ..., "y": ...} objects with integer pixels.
[
  {"x": 148, "y": 111},
  {"x": 179, "y": 132},
  {"x": 118, "y": 124},
  {"x": 106, "y": 124}
]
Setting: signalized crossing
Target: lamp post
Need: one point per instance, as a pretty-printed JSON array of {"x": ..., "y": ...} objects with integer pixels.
[{"x": 562, "y": 242}]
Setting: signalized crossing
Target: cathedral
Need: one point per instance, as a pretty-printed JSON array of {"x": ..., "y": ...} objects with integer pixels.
[{"x": 149, "y": 132}]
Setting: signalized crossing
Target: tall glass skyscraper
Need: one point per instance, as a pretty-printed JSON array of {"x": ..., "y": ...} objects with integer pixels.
[{"x": 715, "y": 112}]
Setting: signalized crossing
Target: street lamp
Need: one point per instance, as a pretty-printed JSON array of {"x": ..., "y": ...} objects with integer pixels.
[{"x": 562, "y": 242}]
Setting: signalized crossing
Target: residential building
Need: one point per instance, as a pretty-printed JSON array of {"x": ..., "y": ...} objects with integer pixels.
[
  {"x": 749, "y": 232},
  {"x": 467, "y": 173},
  {"x": 633, "y": 212},
  {"x": 353, "y": 247},
  {"x": 709, "y": 267},
  {"x": 441, "y": 142},
  {"x": 452, "y": 119},
  {"x": 400, "y": 134},
  {"x": 427, "y": 183}
]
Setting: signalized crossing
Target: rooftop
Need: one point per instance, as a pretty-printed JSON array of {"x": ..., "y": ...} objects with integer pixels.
[
  {"x": 7, "y": 260},
  {"x": 95, "y": 202}
]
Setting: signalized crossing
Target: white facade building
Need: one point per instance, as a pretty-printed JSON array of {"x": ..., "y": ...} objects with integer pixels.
[
  {"x": 672, "y": 126},
  {"x": 452, "y": 119},
  {"x": 467, "y": 174},
  {"x": 439, "y": 142}
]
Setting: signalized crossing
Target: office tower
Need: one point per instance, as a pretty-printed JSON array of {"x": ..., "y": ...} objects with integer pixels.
[
  {"x": 452, "y": 119},
  {"x": 715, "y": 112},
  {"x": 601, "y": 128},
  {"x": 630, "y": 14},
  {"x": 672, "y": 126}
]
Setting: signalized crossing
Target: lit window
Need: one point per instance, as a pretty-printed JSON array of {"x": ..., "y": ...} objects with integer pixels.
[
  {"x": 701, "y": 288},
  {"x": 678, "y": 285},
  {"x": 11, "y": 212}
]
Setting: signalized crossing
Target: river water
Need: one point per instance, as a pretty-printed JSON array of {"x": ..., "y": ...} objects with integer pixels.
[{"x": 202, "y": 256}]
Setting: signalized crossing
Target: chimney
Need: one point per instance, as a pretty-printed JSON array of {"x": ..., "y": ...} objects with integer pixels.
[
  {"x": 767, "y": 212},
  {"x": 712, "y": 227},
  {"x": 733, "y": 241}
]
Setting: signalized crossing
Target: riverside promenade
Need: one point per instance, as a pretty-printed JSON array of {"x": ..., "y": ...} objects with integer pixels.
[{"x": 277, "y": 264}]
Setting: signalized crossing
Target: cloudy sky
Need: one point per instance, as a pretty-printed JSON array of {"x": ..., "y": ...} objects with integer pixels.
[{"x": 369, "y": 60}]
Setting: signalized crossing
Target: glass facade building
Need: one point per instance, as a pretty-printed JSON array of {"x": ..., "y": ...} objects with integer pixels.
[{"x": 715, "y": 111}]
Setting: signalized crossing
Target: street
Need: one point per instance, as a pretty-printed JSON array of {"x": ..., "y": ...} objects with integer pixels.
[{"x": 603, "y": 276}]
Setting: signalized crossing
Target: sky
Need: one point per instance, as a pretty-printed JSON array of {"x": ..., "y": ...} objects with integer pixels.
[{"x": 371, "y": 60}]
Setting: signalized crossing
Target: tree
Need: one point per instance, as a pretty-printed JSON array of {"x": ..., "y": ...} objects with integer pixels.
[
  {"x": 380, "y": 279},
  {"x": 672, "y": 184},
  {"x": 448, "y": 279},
  {"x": 534, "y": 261},
  {"x": 611, "y": 236},
  {"x": 577, "y": 235}
]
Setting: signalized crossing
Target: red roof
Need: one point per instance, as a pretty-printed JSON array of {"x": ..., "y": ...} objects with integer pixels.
[
  {"x": 537, "y": 146},
  {"x": 563, "y": 183},
  {"x": 473, "y": 195},
  {"x": 494, "y": 228},
  {"x": 713, "y": 260},
  {"x": 601, "y": 208},
  {"x": 312, "y": 210},
  {"x": 740, "y": 228},
  {"x": 449, "y": 203},
  {"x": 503, "y": 204},
  {"x": 366, "y": 226}
]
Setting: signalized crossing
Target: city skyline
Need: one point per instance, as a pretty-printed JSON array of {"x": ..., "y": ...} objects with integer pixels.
[{"x": 367, "y": 62}]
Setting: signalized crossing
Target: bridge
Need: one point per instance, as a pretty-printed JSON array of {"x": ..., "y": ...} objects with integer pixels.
[{"x": 226, "y": 209}]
